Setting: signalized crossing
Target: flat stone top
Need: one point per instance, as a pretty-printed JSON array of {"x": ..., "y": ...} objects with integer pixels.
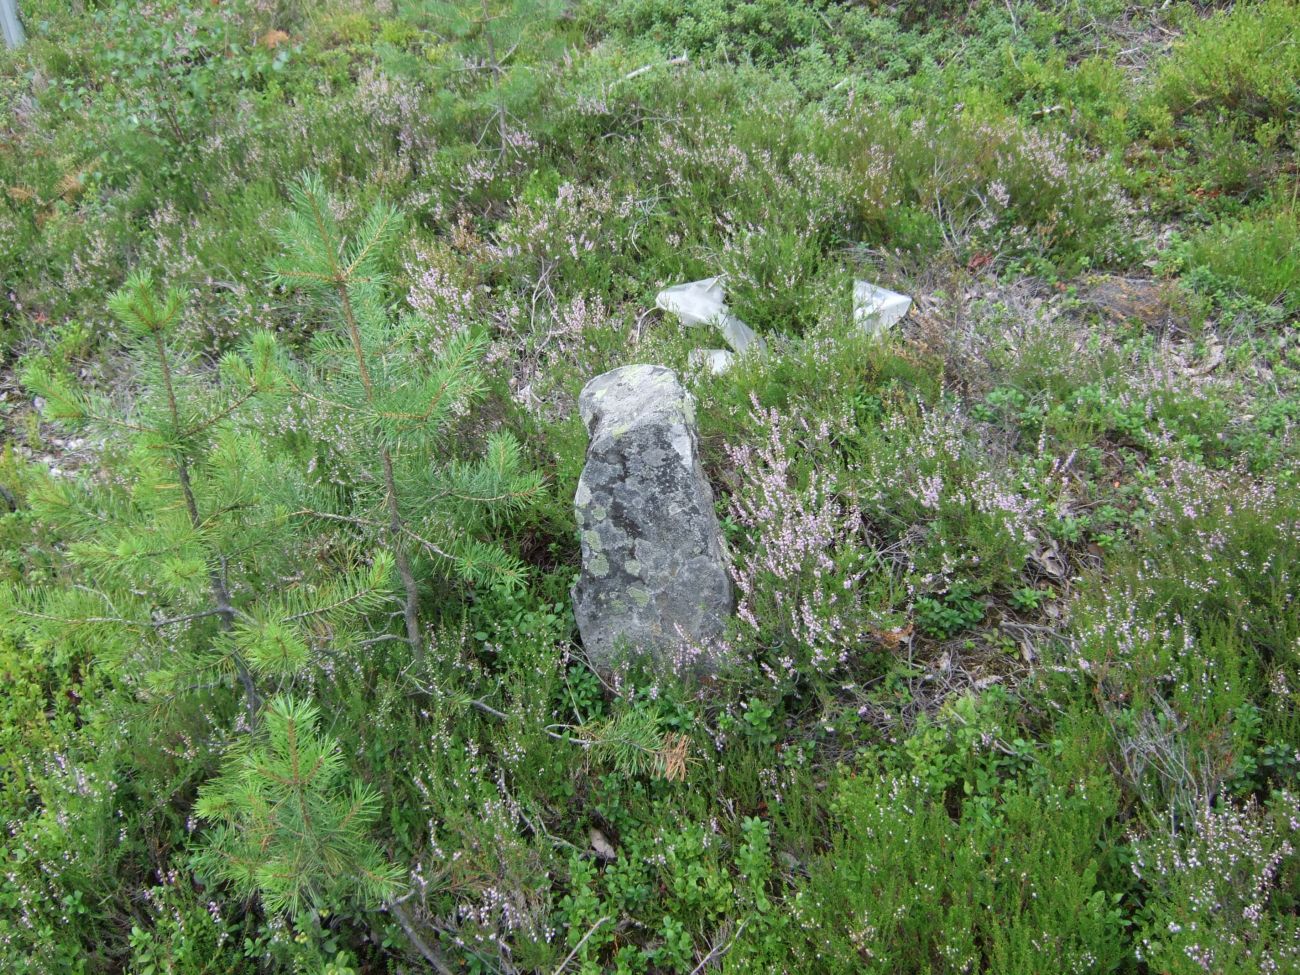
[{"x": 631, "y": 396}]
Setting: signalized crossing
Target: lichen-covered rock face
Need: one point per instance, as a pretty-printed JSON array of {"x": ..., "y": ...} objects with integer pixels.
[{"x": 653, "y": 566}]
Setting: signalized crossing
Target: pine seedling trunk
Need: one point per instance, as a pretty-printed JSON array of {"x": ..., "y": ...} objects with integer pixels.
[
  {"x": 394, "y": 387},
  {"x": 411, "y": 597}
]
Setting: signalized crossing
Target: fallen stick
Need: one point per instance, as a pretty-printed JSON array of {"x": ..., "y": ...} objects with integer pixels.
[{"x": 675, "y": 62}]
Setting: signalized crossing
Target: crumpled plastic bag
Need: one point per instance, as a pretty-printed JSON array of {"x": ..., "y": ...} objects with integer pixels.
[
  {"x": 703, "y": 302},
  {"x": 716, "y": 361},
  {"x": 876, "y": 309}
]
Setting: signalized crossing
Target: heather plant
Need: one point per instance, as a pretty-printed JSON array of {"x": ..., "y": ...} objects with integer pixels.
[
  {"x": 1002, "y": 189},
  {"x": 1192, "y": 640},
  {"x": 67, "y": 856},
  {"x": 800, "y": 585},
  {"x": 1231, "y": 564},
  {"x": 463, "y": 800},
  {"x": 965, "y": 522},
  {"x": 781, "y": 208},
  {"x": 1220, "y": 892},
  {"x": 904, "y": 887},
  {"x": 181, "y": 932},
  {"x": 563, "y": 232},
  {"x": 1173, "y": 705}
]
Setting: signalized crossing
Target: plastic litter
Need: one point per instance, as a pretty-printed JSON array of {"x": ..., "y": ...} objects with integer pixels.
[
  {"x": 695, "y": 302},
  {"x": 703, "y": 302},
  {"x": 716, "y": 361},
  {"x": 876, "y": 309},
  {"x": 10, "y": 25}
]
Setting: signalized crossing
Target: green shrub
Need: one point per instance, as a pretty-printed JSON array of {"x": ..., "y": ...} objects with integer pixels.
[
  {"x": 764, "y": 31},
  {"x": 1191, "y": 644},
  {"x": 1245, "y": 59},
  {"x": 1257, "y": 255},
  {"x": 290, "y": 824},
  {"x": 905, "y": 888},
  {"x": 1223, "y": 105},
  {"x": 954, "y": 611}
]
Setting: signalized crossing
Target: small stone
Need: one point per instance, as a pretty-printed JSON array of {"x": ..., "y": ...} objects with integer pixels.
[
  {"x": 601, "y": 846},
  {"x": 654, "y": 573}
]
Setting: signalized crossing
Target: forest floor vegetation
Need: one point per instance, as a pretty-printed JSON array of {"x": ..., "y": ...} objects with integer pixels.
[{"x": 296, "y": 299}]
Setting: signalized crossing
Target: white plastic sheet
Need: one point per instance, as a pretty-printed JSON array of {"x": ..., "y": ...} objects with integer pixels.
[
  {"x": 876, "y": 309},
  {"x": 10, "y": 25},
  {"x": 695, "y": 303},
  {"x": 716, "y": 361},
  {"x": 703, "y": 302}
]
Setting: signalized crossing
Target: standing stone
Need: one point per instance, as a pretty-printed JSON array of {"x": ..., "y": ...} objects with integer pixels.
[{"x": 653, "y": 568}]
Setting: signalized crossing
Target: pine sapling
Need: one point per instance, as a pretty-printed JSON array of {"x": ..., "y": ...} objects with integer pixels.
[
  {"x": 289, "y": 823},
  {"x": 493, "y": 37},
  {"x": 378, "y": 395},
  {"x": 182, "y": 559}
]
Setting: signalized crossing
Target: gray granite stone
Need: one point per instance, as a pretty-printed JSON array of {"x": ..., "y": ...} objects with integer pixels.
[{"x": 654, "y": 569}]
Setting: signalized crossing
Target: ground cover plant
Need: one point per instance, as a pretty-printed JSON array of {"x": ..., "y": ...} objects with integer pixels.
[{"x": 297, "y": 299}]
